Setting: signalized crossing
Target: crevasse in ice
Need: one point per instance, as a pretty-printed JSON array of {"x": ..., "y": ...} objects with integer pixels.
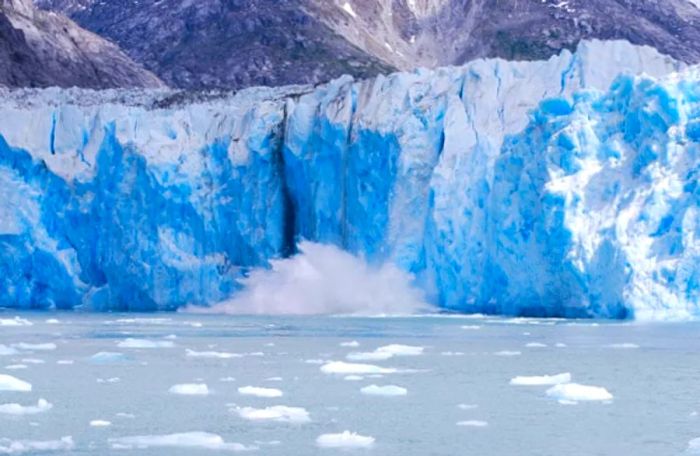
[{"x": 564, "y": 187}]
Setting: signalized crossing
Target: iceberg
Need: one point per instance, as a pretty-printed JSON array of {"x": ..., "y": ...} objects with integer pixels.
[{"x": 565, "y": 187}]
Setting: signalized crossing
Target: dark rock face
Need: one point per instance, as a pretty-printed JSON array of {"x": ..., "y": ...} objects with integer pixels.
[
  {"x": 239, "y": 43},
  {"x": 42, "y": 49}
]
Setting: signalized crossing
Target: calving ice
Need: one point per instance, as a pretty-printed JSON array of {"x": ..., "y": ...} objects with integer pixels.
[{"x": 565, "y": 187}]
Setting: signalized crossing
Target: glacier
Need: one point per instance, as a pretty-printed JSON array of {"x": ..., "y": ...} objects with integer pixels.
[{"x": 565, "y": 187}]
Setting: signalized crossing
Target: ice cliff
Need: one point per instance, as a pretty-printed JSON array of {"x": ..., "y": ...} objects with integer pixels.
[{"x": 565, "y": 187}]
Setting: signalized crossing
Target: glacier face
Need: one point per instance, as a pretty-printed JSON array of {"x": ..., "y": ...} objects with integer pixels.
[{"x": 557, "y": 188}]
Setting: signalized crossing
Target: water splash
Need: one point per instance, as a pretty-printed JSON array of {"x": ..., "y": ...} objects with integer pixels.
[{"x": 322, "y": 280}]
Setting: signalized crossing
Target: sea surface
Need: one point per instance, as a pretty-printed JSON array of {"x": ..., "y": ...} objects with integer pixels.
[{"x": 107, "y": 383}]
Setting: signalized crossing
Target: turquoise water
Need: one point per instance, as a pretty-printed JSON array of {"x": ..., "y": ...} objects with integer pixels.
[{"x": 652, "y": 371}]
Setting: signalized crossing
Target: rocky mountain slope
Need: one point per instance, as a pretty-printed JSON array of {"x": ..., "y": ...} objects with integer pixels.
[
  {"x": 41, "y": 49},
  {"x": 238, "y": 43}
]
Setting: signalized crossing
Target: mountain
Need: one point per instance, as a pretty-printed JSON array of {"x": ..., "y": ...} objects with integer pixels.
[
  {"x": 41, "y": 49},
  {"x": 565, "y": 187},
  {"x": 239, "y": 43}
]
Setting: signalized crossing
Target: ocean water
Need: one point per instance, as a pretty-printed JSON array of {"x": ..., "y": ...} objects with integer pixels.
[{"x": 446, "y": 370}]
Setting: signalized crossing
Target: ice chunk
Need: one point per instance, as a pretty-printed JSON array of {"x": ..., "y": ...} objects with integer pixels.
[
  {"x": 259, "y": 391},
  {"x": 472, "y": 423},
  {"x": 508, "y": 353},
  {"x": 35, "y": 347},
  {"x": 8, "y": 446},
  {"x": 108, "y": 358},
  {"x": 542, "y": 380},
  {"x": 145, "y": 343},
  {"x": 16, "y": 366},
  {"x": 17, "y": 321},
  {"x": 387, "y": 390},
  {"x": 345, "y": 439},
  {"x": 10, "y": 383},
  {"x": 573, "y": 392},
  {"x": 279, "y": 413},
  {"x": 211, "y": 354},
  {"x": 190, "y": 389},
  {"x": 369, "y": 356},
  {"x": 351, "y": 344},
  {"x": 343, "y": 368},
  {"x": 189, "y": 440},
  {"x": 353, "y": 378},
  {"x": 7, "y": 351},
  {"x": 42, "y": 405},
  {"x": 624, "y": 345},
  {"x": 100, "y": 423},
  {"x": 535, "y": 345},
  {"x": 401, "y": 350}
]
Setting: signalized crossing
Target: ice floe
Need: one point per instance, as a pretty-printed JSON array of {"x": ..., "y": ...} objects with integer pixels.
[
  {"x": 259, "y": 391},
  {"x": 343, "y": 368},
  {"x": 351, "y": 344},
  {"x": 472, "y": 423},
  {"x": 190, "y": 389},
  {"x": 108, "y": 358},
  {"x": 42, "y": 405},
  {"x": 7, "y": 351},
  {"x": 211, "y": 354},
  {"x": 387, "y": 390},
  {"x": 190, "y": 440},
  {"x": 369, "y": 356},
  {"x": 573, "y": 392},
  {"x": 35, "y": 347},
  {"x": 626, "y": 345},
  {"x": 535, "y": 345},
  {"x": 10, "y": 383},
  {"x": 278, "y": 413},
  {"x": 16, "y": 366},
  {"x": 539, "y": 380},
  {"x": 508, "y": 353},
  {"x": 345, "y": 439},
  {"x": 8, "y": 446},
  {"x": 100, "y": 423},
  {"x": 17, "y": 321},
  {"x": 145, "y": 343}
]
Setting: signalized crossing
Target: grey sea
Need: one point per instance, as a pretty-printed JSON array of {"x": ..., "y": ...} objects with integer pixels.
[{"x": 189, "y": 384}]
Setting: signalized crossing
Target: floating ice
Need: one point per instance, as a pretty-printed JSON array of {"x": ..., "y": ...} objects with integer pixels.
[
  {"x": 388, "y": 390},
  {"x": 542, "y": 380},
  {"x": 227, "y": 379},
  {"x": 369, "y": 356},
  {"x": 573, "y": 392},
  {"x": 401, "y": 350},
  {"x": 42, "y": 405},
  {"x": 33, "y": 361},
  {"x": 508, "y": 353},
  {"x": 108, "y": 358},
  {"x": 191, "y": 440},
  {"x": 351, "y": 344},
  {"x": 16, "y": 366},
  {"x": 346, "y": 439},
  {"x": 259, "y": 391},
  {"x": 467, "y": 406},
  {"x": 145, "y": 343},
  {"x": 17, "y": 321},
  {"x": 190, "y": 389},
  {"x": 35, "y": 347},
  {"x": 52, "y": 321},
  {"x": 343, "y": 368},
  {"x": 353, "y": 378},
  {"x": 472, "y": 423},
  {"x": 65, "y": 362},
  {"x": 10, "y": 383},
  {"x": 626, "y": 345},
  {"x": 279, "y": 413},
  {"x": 211, "y": 354},
  {"x": 7, "y": 351},
  {"x": 109, "y": 380},
  {"x": 470, "y": 327},
  {"x": 8, "y": 446},
  {"x": 535, "y": 345},
  {"x": 100, "y": 423}
]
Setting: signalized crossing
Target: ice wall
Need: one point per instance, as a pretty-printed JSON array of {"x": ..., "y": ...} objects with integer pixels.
[{"x": 505, "y": 187}]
